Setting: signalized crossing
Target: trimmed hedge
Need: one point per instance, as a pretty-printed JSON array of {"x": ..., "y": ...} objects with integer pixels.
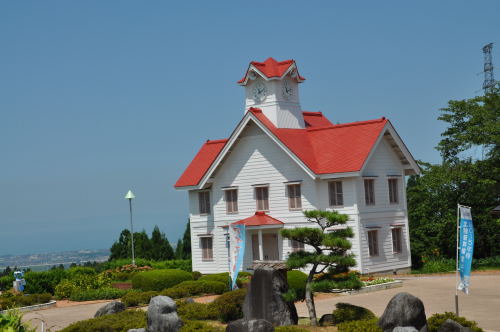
[
  {"x": 136, "y": 298},
  {"x": 346, "y": 312},
  {"x": 191, "y": 288},
  {"x": 195, "y": 326},
  {"x": 360, "y": 325},
  {"x": 289, "y": 328},
  {"x": 435, "y": 321},
  {"x": 119, "y": 322},
  {"x": 156, "y": 280},
  {"x": 296, "y": 285},
  {"x": 106, "y": 293},
  {"x": 230, "y": 305},
  {"x": 9, "y": 300},
  {"x": 196, "y": 311}
]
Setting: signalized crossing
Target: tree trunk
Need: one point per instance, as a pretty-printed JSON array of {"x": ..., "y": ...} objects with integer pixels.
[{"x": 309, "y": 297}]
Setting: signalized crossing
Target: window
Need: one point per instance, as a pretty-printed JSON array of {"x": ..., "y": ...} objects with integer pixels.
[
  {"x": 206, "y": 249},
  {"x": 204, "y": 202},
  {"x": 369, "y": 192},
  {"x": 231, "y": 201},
  {"x": 373, "y": 243},
  {"x": 294, "y": 199},
  {"x": 262, "y": 197},
  {"x": 393, "y": 191},
  {"x": 296, "y": 245},
  {"x": 397, "y": 240},
  {"x": 335, "y": 193}
]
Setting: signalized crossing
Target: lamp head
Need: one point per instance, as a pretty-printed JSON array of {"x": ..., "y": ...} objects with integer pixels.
[{"x": 130, "y": 195}]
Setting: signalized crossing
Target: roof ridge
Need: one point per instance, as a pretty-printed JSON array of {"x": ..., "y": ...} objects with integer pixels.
[
  {"x": 311, "y": 113},
  {"x": 215, "y": 141},
  {"x": 350, "y": 124}
]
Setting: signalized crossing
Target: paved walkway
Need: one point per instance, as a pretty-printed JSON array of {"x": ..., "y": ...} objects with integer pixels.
[{"x": 438, "y": 294}]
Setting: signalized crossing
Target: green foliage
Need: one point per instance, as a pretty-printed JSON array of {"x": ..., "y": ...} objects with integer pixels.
[
  {"x": 359, "y": 325},
  {"x": 81, "y": 282},
  {"x": 219, "y": 277},
  {"x": 9, "y": 300},
  {"x": 196, "y": 326},
  {"x": 6, "y": 282},
  {"x": 106, "y": 293},
  {"x": 119, "y": 322},
  {"x": 196, "y": 275},
  {"x": 183, "y": 248},
  {"x": 191, "y": 288},
  {"x": 289, "y": 328},
  {"x": 435, "y": 321},
  {"x": 159, "y": 279},
  {"x": 196, "y": 311},
  {"x": 326, "y": 282},
  {"x": 486, "y": 263},
  {"x": 472, "y": 125},
  {"x": 11, "y": 322},
  {"x": 137, "y": 298},
  {"x": 346, "y": 312},
  {"x": 296, "y": 286},
  {"x": 140, "y": 262},
  {"x": 229, "y": 305},
  {"x": 43, "y": 282},
  {"x": 64, "y": 289}
]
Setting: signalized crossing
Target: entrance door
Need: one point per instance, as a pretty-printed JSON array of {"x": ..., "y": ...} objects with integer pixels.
[{"x": 270, "y": 242}]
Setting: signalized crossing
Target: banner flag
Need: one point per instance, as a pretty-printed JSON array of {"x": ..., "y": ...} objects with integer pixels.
[
  {"x": 466, "y": 248},
  {"x": 237, "y": 239}
]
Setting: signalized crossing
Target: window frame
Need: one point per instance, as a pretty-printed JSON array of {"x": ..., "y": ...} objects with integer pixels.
[
  {"x": 206, "y": 203},
  {"x": 266, "y": 201},
  {"x": 296, "y": 245},
  {"x": 393, "y": 185},
  {"x": 207, "y": 253},
  {"x": 296, "y": 199},
  {"x": 333, "y": 195},
  {"x": 373, "y": 246},
  {"x": 369, "y": 191},
  {"x": 231, "y": 205},
  {"x": 398, "y": 238}
]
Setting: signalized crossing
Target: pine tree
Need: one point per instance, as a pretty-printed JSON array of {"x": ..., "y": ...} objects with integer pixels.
[
  {"x": 329, "y": 255},
  {"x": 186, "y": 242}
]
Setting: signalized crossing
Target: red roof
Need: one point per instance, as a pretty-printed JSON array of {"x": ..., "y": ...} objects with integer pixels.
[
  {"x": 201, "y": 162},
  {"x": 322, "y": 146},
  {"x": 260, "y": 218},
  {"x": 272, "y": 68}
]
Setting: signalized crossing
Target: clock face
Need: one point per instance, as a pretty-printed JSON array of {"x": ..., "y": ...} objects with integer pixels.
[
  {"x": 287, "y": 89},
  {"x": 259, "y": 91}
]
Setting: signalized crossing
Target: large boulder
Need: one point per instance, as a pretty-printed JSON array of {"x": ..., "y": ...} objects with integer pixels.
[
  {"x": 253, "y": 325},
  {"x": 451, "y": 326},
  {"x": 264, "y": 298},
  {"x": 162, "y": 315},
  {"x": 137, "y": 330},
  {"x": 405, "y": 329},
  {"x": 110, "y": 308},
  {"x": 404, "y": 310}
]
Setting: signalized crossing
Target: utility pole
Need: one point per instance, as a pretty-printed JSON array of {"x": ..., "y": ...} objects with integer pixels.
[
  {"x": 130, "y": 195},
  {"x": 489, "y": 79}
]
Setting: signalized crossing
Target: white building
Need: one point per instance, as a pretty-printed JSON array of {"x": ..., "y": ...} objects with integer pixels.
[{"x": 280, "y": 161}]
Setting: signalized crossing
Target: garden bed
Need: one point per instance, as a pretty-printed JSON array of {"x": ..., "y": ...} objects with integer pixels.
[{"x": 34, "y": 307}]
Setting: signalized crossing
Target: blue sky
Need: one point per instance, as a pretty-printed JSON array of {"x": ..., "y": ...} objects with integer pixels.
[{"x": 100, "y": 97}]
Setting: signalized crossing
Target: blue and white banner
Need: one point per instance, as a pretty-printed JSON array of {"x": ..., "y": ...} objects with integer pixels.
[
  {"x": 466, "y": 244},
  {"x": 237, "y": 239}
]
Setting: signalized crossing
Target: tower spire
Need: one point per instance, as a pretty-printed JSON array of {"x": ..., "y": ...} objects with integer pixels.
[{"x": 489, "y": 79}]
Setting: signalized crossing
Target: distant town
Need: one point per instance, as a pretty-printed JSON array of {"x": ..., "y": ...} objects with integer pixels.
[{"x": 43, "y": 261}]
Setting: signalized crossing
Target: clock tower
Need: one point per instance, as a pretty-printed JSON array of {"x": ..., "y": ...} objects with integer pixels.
[{"x": 273, "y": 86}]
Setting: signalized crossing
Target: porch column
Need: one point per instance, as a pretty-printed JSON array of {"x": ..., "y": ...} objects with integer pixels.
[
  {"x": 261, "y": 247},
  {"x": 280, "y": 245}
]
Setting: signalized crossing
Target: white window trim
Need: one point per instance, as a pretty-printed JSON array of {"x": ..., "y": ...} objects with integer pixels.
[
  {"x": 257, "y": 186},
  {"x": 400, "y": 240},
  {"x": 287, "y": 192},
  {"x": 237, "y": 205},
  {"x": 342, "y": 184},
  {"x": 207, "y": 236},
  {"x": 209, "y": 200}
]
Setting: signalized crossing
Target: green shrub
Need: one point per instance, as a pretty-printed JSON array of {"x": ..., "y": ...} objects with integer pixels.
[
  {"x": 289, "y": 328},
  {"x": 435, "y": 321},
  {"x": 181, "y": 264},
  {"x": 196, "y": 311},
  {"x": 191, "y": 288},
  {"x": 6, "y": 282},
  {"x": 64, "y": 289},
  {"x": 359, "y": 325},
  {"x": 346, "y": 280},
  {"x": 106, "y": 293},
  {"x": 296, "y": 285},
  {"x": 229, "y": 305},
  {"x": 79, "y": 270},
  {"x": 220, "y": 277},
  {"x": 194, "y": 326},
  {"x": 485, "y": 263},
  {"x": 346, "y": 312},
  {"x": 11, "y": 322},
  {"x": 120, "y": 322},
  {"x": 437, "y": 265},
  {"x": 43, "y": 282},
  {"x": 9, "y": 300},
  {"x": 159, "y": 279},
  {"x": 196, "y": 275},
  {"x": 137, "y": 298}
]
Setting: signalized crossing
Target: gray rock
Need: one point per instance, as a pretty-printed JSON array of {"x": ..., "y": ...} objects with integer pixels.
[
  {"x": 404, "y": 309},
  {"x": 110, "y": 308},
  {"x": 253, "y": 325},
  {"x": 162, "y": 315},
  {"x": 451, "y": 326},
  {"x": 405, "y": 329},
  {"x": 326, "y": 320},
  {"x": 264, "y": 298},
  {"x": 137, "y": 330}
]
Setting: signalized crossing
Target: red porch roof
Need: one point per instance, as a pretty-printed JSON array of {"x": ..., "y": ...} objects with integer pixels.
[{"x": 260, "y": 218}]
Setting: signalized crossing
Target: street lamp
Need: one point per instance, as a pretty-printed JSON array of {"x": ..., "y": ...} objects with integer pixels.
[{"x": 130, "y": 195}]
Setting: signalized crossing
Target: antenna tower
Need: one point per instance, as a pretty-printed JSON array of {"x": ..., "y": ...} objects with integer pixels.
[{"x": 489, "y": 80}]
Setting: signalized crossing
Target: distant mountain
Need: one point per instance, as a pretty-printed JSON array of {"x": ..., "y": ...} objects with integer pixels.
[{"x": 53, "y": 258}]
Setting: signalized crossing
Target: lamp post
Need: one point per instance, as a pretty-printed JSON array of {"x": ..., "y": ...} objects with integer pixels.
[{"x": 130, "y": 195}]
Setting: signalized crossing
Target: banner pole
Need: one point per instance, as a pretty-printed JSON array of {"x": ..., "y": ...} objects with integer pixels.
[{"x": 458, "y": 248}]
